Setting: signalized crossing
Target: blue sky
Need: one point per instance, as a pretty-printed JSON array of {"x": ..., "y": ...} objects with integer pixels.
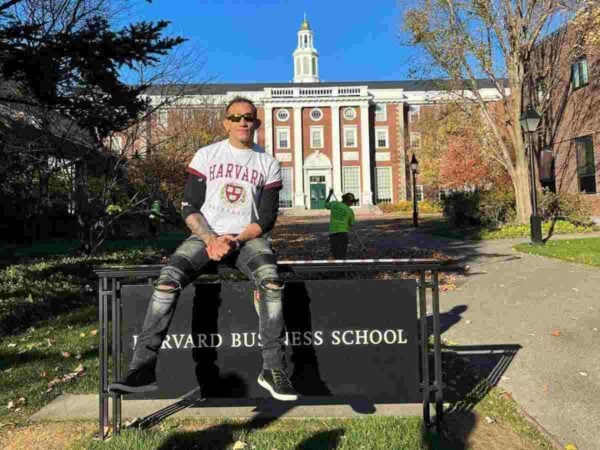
[{"x": 252, "y": 40}]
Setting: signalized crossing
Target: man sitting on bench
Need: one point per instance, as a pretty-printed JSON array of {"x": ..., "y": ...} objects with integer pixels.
[{"x": 231, "y": 199}]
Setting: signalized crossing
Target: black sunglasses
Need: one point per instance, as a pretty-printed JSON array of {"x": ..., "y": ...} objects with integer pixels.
[{"x": 238, "y": 117}]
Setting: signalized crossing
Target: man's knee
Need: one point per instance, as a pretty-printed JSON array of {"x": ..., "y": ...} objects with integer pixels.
[{"x": 168, "y": 286}]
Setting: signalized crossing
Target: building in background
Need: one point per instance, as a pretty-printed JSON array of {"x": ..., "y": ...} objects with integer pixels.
[{"x": 350, "y": 136}]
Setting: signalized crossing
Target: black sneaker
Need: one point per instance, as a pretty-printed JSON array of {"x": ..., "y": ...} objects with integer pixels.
[
  {"x": 278, "y": 384},
  {"x": 138, "y": 380}
]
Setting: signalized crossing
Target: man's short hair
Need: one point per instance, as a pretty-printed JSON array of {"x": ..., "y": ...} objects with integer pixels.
[
  {"x": 348, "y": 196},
  {"x": 240, "y": 99}
]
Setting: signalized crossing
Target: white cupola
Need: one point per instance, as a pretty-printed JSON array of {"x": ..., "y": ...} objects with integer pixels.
[{"x": 306, "y": 57}]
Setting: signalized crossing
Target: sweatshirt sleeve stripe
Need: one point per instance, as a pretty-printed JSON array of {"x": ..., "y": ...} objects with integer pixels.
[
  {"x": 274, "y": 185},
  {"x": 196, "y": 172}
]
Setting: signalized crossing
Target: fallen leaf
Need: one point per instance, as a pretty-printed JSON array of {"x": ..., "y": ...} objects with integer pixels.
[
  {"x": 575, "y": 289},
  {"x": 49, "y": 342},
  {"x": 507, "y": 395},
  {"x": 80, "y": 369},
  {"x": 94, "y": 332},
  {"x": 82, "y": 335},
  {"x": 546, "y": 387},
  {"x": 556, "y": 333},
  {"x": 467, "y": 322},
  {"x": 505, "y": 378},
  {"x": 10, "y": 405},
  {"x": 595, "y": 329},
  {"x": 44, "y": 374},
  {"x": 11, "y": 345},
  {"x": 570, "y": 447},
  {"x": 66, "y": 354},
  {"x": 239, "y": 445},
  {"x": 21, "y": 400},
  {"x": 18, "y": 409},
  {"x": 489, "y": 419},
  {"x": 583, "y": 374}
]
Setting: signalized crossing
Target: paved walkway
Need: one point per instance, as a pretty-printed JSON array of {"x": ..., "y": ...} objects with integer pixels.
[{"x": 514, "y": 298}]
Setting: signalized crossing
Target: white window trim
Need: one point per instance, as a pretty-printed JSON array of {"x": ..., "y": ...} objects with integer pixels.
[
  {"x": 411, "y": 140},
  {"x": 353, "y": 128},
  {"x": 277, "y": 130},
  {"x": 414, "y": 111},
  {"x": 349, "y": 108},
  {"x": 387, "y": 137},
  {"x": 321, "y": 129},
  {"x": 290, "y": 171},
  {"x": 358, "y": 189},
  {"x": 311, "y": 116},
  {"x": 391, "y": 187},
  {"x": 281, "y": 110},
  {"x": 420, "y": 193},
  {"x": 383, "y": 113}
]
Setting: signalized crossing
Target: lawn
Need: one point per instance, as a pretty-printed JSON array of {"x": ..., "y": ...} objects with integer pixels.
[
  {"x": 49, "y": 346},
  {"x": 508, "y": 231},
  {"x": 584, "y": 251}
]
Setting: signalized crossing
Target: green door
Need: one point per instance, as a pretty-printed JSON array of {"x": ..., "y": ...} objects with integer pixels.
[{"x": 317, "y": 196}]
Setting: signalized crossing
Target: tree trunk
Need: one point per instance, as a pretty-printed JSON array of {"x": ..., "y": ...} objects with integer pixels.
[{"x": 522, "y": 194}]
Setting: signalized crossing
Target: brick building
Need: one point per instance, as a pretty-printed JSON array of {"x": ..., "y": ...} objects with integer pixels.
[
  {"x": 350, "y": 136},
  {"x": 566, "y": 91}
]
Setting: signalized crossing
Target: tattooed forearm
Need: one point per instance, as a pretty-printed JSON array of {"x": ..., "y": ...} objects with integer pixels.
[{"x": 197, "y": 223}]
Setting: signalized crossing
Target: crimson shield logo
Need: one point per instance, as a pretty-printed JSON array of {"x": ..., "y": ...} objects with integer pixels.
[{"x": 234, "y": 192}]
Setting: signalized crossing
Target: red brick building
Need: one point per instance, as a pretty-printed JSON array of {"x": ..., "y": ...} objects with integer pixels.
[
  {"x": 567, "y": 93},
  {"x": 350, "y": 136}
]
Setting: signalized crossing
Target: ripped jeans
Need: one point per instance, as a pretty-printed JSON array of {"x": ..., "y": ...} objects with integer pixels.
[{"x": 255, "y": 259}]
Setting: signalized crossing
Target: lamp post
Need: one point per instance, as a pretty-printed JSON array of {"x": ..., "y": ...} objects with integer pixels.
[
  {"x": 529, "y": 121},
  {"x": 414, "y": 168}
]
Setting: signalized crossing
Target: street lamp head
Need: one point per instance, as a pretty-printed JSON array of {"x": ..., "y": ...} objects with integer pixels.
[
  {"x": 529, "y": 120},
  {"x": 414, "y": 164}
]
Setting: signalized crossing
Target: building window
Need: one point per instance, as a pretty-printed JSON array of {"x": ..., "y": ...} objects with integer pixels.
[
  {"x": 316, "y": 114},
  {"x": 443, "y": 193},
  {"x": 283, "y": 115},
  {"x": 285, "y": 195},
  {"x": 116, "y": 143},
  {"x": 381, "y": 137},
  {"x": 540, "y": 91},
  {"x": 316, "y": 137},
  {"x": 350, "y": 136},
  {"x": 283, "y": 137},
  {"x": 414, "y": 113},
  {"x": 420, "y": 194},
  {"x": 380, "y": 113},
  {"x": 349, "y": 113},
  {"x": 383, "y": 183},
  {"x": 586, "y": 165},
  {"x": 163, "y": 118},
  {"x": 579, "y": 73},
  {"x": 415, "y": 139},
  {"x": 351, "y": 182}
]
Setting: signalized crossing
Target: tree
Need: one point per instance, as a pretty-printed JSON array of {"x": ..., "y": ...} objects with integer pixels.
[
  {"x": 479, "y": 42},
  {"x": 455, "y": 151},
  {"x": 63, "y": 61}
]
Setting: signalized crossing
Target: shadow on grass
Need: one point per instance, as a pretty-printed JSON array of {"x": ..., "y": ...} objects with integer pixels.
[{"x": 469, "y": 373}]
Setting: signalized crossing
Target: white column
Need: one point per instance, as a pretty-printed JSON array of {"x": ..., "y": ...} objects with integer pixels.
[
  {"x": 366, "y": 194},
  {"x": 336, "y": 150},
  {"x": 269, "y": 129},
  {"x": 298, "y": 160}
]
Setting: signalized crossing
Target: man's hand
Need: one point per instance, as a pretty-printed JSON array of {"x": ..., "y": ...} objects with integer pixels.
[{"x": 220, "y": 246}]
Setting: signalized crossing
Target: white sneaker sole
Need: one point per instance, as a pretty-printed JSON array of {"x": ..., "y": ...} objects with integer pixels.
[{"x": 282, "y": 397}]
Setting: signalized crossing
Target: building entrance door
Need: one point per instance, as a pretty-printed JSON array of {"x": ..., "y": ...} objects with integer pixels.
[{"x": 317, "y": 194}]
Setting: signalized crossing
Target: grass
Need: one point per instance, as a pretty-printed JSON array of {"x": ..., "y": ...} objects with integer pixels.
[
  {"x": 53, "y": 349},
  {"x": 366, "y": 433},
  {"x": 584, "y": 251},
  {"x": 441, "y": 228},
  {"x": 67, "y": 246}
]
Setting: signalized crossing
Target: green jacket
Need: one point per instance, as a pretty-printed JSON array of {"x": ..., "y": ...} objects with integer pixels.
[{"x": 342, "y": 217}]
